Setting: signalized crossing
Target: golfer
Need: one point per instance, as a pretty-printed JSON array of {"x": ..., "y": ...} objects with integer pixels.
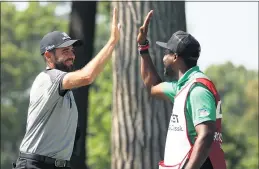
[{"x": 52, "y": 113}]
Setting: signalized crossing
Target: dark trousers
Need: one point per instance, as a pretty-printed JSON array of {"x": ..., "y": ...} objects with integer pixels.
[
  {"x": 206, "y": 165},
  {"x": 25, "y": 163}
]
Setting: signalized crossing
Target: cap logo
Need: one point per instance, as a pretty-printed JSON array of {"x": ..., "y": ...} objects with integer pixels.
[
  {"x": 50, "y": 47},
  {"x": 65, "y": 36}
]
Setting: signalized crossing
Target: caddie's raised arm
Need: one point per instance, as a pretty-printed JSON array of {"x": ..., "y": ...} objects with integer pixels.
[{"x": 149, "y": 74}]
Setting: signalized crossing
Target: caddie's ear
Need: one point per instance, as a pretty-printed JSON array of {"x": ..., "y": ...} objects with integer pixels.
[{"x": 175, "y": 57}]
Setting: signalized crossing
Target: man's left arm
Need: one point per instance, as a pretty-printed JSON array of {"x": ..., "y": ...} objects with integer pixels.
[{"x": 203, "y": 111}]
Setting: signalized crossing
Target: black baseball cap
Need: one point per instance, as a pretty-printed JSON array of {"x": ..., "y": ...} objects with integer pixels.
[
  {"x": 183, "y": 44},
  {"x": 57, "y": 39}
]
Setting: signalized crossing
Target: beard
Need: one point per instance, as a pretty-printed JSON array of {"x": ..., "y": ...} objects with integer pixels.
[
  {"x": 60, "y": 65},
  {"x": 169, "y": 73}
]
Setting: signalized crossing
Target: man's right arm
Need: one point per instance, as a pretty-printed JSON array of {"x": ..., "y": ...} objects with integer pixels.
[
  {"x": 151, "y": 79},
  {"x": 88, "y": 73},
  {"x": 148, "y": 71}
]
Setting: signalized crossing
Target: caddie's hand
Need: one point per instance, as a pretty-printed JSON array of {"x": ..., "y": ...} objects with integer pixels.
[
  {"x": 115, "y": 27},
  {"x": 142, "y": 35}
]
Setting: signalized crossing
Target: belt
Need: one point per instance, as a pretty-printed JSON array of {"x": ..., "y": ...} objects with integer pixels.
[{"x": 45, "y": 159}]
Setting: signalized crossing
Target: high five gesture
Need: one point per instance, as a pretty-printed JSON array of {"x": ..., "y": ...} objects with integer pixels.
[
  {"x": 89, "y": 72},
  {"x": 115, "y": 27},
  {"x": 142, "y": 36}
]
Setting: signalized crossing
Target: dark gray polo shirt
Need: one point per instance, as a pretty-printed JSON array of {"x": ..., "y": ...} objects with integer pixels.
[{"x": 52, "y": 117}]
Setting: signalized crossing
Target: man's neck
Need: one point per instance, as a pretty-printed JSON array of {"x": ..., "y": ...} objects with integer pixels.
[
  {"x": 182, "y": 71},
  {"x": 49, "y": 66}
]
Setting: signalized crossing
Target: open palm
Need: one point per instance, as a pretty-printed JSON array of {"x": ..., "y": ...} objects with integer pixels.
[
  {"x": 142, "y": 36},
  {"x": 115, "y": 27}
]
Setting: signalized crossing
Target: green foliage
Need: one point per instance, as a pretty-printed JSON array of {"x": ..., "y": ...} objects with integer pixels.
[
  {"x": 238, "y": 88},
  {"x": 21, "y": 32},
  {"x": 100, "y": 121}
]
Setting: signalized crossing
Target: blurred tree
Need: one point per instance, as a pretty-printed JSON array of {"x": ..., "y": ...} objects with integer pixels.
[
  {"x": 21, "y": 61},
  {"x": 140, "y": 123},
  {"x": 82, "y": 26}
]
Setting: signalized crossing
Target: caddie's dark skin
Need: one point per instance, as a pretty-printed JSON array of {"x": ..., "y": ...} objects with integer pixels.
[{"x": 152, "y": 81}]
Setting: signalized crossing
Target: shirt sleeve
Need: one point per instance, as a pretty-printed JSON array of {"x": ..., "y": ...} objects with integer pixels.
[
  {"x": 56, "y": 77},
  {"x": 169, "y": 89},
  {"x": 201, "y": 105}
]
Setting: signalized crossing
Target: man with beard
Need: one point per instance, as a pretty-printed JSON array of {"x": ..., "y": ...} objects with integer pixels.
[
  {"x": 52, "y": 114},
  {"x": 194, "y": 134}
]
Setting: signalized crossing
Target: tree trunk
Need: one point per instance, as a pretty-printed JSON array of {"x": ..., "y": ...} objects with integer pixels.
[
  {"x": 140, "y": 122},
  {"x": 82, "y": 25}
]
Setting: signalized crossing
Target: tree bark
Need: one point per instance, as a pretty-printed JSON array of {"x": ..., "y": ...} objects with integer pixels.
[
  {"x": 140, "y": 122},
  {"x": 82, "y": 26}
]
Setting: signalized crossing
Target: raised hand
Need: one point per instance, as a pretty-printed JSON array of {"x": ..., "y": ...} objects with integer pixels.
[
  {"x": 142, "y": 36},
  {"x": 115, "y": 27}
]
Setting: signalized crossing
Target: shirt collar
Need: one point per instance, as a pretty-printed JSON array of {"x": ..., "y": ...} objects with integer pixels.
[{"x": 187, "y": 75}]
